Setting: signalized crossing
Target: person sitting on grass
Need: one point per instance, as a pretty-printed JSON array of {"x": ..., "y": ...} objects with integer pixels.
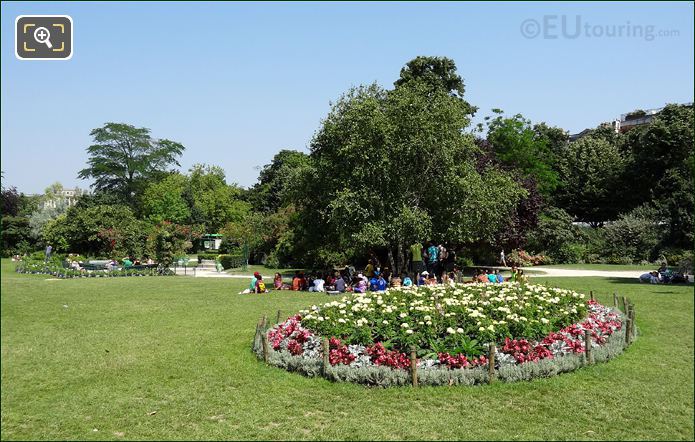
[
  {"x": 432, "y": 280},
  {"x": 498, "y": 275},
  {"x": 127, "y": 262},
  {"x": 317, "y": 285},
  {"x": 260, "y": 285},
  {"x": 360, "y": 284},
  {"x": 406, "y": 281},
  {"x": 491, "y": 276},
  {"x": 650, "y": 278},
  {"x": 396, "y": 282},
  {"x": 252, "y": 284},
  {"x": 422, "y": 280},
  {"x": 482, "y": 277},
  {"x": 277, "y": 281},
  {"x": 296, "y": 281},
  {"x": 339, "y": 285},
  {"x": 374, "y": 282}
]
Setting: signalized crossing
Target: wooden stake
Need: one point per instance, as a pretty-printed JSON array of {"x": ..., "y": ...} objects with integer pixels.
[
  {"x": 627, "y": 326},
  {"x": 326, "y": 355},
  {"x": 624, "y": 305},
  {"x": 266, "y": 348},
  {"x": 587, "y": 347},
  {"x": 591, "y": 294},
  {"x": 264, "y": 323},
  {"x": 277, "y": 320},
  {"x": 413, "y": 365},
  {"x": 615, "y": 300},
  {"x": 632, "y": 323},
  {"x": 491, "y": 363}
]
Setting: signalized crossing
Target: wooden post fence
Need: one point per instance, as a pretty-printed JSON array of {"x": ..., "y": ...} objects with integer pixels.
[
  {"x": 632, "y": 323},
  {"x": 591, "y": 294},
  {"x": 326, "y": 356},
  {"x": 277, "y": 320},
  {"x": 627, "y": 325},
  {"x": 624, "y": 305},
  {"x": 491, "y": 363},
  {"x": 615, "y": 300},
  {"x": 266, "y": 347},
  {"x": 413, "y": 365},
  {"x": 587, "y": 347}
]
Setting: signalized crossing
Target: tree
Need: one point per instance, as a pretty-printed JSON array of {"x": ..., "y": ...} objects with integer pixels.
[
  {"x": 394, "y": 167},
  {"x": 99, "y": 230},
  {"x": 164, "y": 200},
  {"x": 277, "y": 181},
  {"x": 591, "y": 170},
  {"x": 11, "y": 201},
  {"x": 517, "y": 145},
  {"x": 124, "y": 157},
  {"x": 660, "y": 169},
  {"x": 213, "y": 202}
]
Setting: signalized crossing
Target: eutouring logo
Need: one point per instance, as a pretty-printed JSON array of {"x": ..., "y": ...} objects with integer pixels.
[{"x": 551, "y": 27}]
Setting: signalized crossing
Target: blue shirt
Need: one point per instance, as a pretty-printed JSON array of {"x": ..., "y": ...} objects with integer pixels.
[
  {"x": 381, "y": 284},
  {"x": 433, "y": 254},
  {"x": 500, "y": 278},
  {"x": 407, "y": 282},
  {"x": 491, "y": 277},
  {"x": 374, "y": 284}
]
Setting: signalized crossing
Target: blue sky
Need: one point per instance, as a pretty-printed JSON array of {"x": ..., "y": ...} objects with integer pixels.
[{"x": 237, "y": 82}]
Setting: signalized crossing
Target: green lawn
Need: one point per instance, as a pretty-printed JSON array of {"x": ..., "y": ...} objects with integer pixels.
[
  {"x": 607, "y": 267},
  {"x": 106, "y": 354},
  {"x": 263, "y": 270}
]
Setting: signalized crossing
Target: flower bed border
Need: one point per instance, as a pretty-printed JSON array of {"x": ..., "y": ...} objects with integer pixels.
[{"x": 383, "y": 376}]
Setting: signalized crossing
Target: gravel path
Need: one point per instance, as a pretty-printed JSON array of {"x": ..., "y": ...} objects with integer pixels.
[{"x": 549, "y": 272}]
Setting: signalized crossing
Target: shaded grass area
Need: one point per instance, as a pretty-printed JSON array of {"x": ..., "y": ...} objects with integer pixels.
[
  {"x": 124, "y": 348},
  {"x": 604, "y": 267}
]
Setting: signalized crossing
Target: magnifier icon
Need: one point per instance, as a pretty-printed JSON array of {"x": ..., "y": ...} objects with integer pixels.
[{"x": 42, "y": 35}]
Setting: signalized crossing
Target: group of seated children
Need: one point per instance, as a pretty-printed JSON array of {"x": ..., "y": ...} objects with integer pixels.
[{"x": 345, "y": 281}]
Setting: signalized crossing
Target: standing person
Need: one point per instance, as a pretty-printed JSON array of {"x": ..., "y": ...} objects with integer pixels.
[
  {"x": 416, "y": 265},
  {"x": 503, "y": 261},
  {"x": 49, "y": 249},
  {"x": 443, "y": 256},
  {"x": 432, "y": 259}
]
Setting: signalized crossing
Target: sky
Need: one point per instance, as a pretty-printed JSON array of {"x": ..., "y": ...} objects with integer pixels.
[{"x": 237, "y": 82}]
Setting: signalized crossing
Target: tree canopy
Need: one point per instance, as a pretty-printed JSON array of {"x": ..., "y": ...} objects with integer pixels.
[{"x": 123, "y": 157}]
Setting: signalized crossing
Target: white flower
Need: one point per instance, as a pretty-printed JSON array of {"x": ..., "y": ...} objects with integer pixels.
[
  {"x": 482, "y": 329},
  {"x": 428, "y": 318},
  {"x": 410, "y": 332},
  {"x": 405, "y": 325},
  {"x": 544, "y": 321},
  {"x": 450, "y": 330},
  {"x": 459, "y": 330},
  {"x": 385, "y": 322},
  {"x": 429, "y": 322},
  {"x": 341, "y": 320},
  {"x": 403, "y": 315}
]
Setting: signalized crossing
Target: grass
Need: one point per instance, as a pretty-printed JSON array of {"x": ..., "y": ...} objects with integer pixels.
[
  {"x": 606, "y": 267},
  {"x": 80, "y": 355},
  {"x": 263, "y": 270}
]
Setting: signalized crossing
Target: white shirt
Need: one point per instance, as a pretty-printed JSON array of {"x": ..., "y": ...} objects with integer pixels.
[{"x": 318, "y": 284}]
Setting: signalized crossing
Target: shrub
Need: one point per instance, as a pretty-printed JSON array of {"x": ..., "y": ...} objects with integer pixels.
[
  {"x": 231, "y": 261},
  {"x": 632, "y": 238},
  {"x": 570, "y": 253},
  {"x": 208, "y": 256},
  {"x": 272, "y": 262}
]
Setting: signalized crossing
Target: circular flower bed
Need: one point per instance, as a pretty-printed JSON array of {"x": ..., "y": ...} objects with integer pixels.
[{"x": 537, "y": 331}]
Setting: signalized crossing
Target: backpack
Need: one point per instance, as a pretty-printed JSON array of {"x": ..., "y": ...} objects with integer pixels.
[{"x": 261, "y": 287}]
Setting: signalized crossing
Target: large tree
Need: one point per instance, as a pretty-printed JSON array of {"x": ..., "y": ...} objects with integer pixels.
[
  {"x": 660, "y": 169},
  {"x": 591, "y": 170},
  {"x": 393, "y": 167},
  {"x": 123, "y": 157},
  {"x": 519, "y": 145}
]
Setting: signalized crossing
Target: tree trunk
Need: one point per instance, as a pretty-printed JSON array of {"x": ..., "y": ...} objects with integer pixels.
[
  {"x": 402, "y": 264},
  {"x": 391, "y": 262}
]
